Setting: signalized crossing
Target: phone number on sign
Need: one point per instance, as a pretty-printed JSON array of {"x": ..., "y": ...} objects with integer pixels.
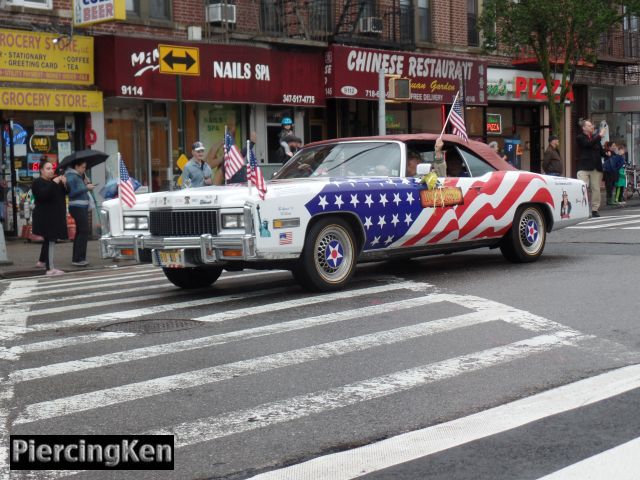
[{"x": 298, "y": 99}]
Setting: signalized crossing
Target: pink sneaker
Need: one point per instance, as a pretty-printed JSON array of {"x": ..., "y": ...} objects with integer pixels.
[
  {"x": 40, "y": 264},
  {"x": 55, "y": 271}
]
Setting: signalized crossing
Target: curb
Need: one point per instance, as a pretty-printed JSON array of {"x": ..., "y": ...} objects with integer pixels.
[{"x": 39, "y": 272}]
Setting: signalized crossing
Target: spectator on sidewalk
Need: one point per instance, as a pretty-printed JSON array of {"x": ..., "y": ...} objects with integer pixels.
[
  {"x": 618, "y": 161},
  {"x": 50, "y": 213},
  {"x": 589, "y": 162},
  {"x": 552, "y": 161},
  {"x": 79, "y": 186}
]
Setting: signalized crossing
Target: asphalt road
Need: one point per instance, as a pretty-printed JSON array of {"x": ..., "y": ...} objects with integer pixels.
[{"x": 255, "y": 374}]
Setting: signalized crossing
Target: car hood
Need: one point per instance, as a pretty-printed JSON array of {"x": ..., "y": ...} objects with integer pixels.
[{"x": 237, "y": 195}]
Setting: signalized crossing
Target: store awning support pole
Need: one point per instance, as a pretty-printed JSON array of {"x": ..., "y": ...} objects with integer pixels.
[{"x": 382, "y": 96}]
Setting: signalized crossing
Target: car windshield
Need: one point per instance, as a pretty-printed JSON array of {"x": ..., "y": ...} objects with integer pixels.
[{"x": 348, "y": 159}]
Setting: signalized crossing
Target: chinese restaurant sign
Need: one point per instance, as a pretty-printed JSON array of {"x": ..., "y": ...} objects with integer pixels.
[
  {"x": 351, "y": 72},
  {"x": 88, "y": 12},
  {"x": 50, "y": 100},
  {"x": 35, "y": 57},
  {"x": 129, "y": 67}
]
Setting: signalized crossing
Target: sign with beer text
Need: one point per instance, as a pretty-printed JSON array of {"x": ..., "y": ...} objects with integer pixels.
[
  {"x": 130, "y": 67},
  {"x": 88, "y": 12},
  {"x": 521, "y": 86},
  {"x": 45, "y": 58},
  {"x": 351, "y": 72}
]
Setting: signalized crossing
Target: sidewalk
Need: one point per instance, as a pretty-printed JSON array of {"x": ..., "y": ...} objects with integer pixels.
[{"x": 24, "y": 256}]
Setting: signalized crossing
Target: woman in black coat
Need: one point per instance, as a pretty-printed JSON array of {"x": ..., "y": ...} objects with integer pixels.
[{"x": 50, "y": 213}]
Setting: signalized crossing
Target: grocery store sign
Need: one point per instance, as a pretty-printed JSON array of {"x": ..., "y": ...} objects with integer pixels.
[
  {"x": 44, "y": 100},
  {"x": 39, "y": 57}
]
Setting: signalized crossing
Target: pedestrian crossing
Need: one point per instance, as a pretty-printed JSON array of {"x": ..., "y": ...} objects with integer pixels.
[
  {"x": 319, "y": 354},
  {"x": 630, "y": 220}
]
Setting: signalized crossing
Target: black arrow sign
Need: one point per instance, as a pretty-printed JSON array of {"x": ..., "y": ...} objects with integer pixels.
[{"x": 171, "y": 60}]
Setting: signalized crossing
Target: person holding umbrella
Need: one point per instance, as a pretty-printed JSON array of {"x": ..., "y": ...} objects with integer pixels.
[
  {"x": 50, "y": 214},
  {"x": 79, "y": 188}
]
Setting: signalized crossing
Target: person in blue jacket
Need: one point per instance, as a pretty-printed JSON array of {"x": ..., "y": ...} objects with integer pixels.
[{"x": 79, "y": 186}]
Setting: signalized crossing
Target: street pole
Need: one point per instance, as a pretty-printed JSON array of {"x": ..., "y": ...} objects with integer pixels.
[
  {"x": 382, "y": 121},
  {"x": 181, "y": 133}
]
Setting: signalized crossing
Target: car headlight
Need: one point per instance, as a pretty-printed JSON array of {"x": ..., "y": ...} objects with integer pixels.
[
  {"x": 233, "y": 220},
  {"x": 136, "y": 223},
  {"x": 104, "y": 222}
]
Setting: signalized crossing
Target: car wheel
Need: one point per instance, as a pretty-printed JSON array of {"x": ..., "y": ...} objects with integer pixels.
[
  {"x": 525, "y": 241},
  {"x": 329, "y": 256},
  {"x": 192, "y": 277}
]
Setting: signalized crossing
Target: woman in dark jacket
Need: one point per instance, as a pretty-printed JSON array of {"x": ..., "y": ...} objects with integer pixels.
[{"x": 50, "y": 213}]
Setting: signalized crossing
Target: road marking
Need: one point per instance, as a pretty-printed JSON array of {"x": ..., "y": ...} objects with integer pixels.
[
  {"x": 155, "y": 309},
  {"x": 621, "y": 463},
  {"x": 630, "y": 228},
  {"x": 169, "y": 290},
  {"x": 66, "y": 342},
  {"x": 209, "y": 341},
  {"x": 135, "y": 391},
  {"x": 421, "y": 443},
  {"x": 60, "y": 284},
  {"x": 229, "y": 423},
  {"x": 629, "y": 219},
  {"x": 139, "y": 312}
]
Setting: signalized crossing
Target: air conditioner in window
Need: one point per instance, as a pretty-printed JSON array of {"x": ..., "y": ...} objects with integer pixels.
[
  {"x": 371, "y": 25},
  {"x": 220, "y": 12}
]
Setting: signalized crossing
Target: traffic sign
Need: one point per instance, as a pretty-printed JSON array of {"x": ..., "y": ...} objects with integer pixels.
[{"x": 178, "y": 60}]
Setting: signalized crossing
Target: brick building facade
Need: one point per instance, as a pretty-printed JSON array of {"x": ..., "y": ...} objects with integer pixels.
[{"x": 288, "y": 45}]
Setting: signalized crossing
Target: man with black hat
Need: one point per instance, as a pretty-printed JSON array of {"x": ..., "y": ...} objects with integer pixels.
[
  {"x": 552, "y": 161},
  {"x": 196, "y": 172}
]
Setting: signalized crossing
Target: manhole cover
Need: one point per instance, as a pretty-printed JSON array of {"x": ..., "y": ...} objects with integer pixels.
[{"x": 151, "y": 326}]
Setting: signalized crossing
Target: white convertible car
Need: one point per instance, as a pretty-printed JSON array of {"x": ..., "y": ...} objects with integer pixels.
[{"x": 340, "y": 202}]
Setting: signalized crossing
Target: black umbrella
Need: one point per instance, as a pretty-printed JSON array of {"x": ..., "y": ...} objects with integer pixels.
[{"x": 91, "y": 157}]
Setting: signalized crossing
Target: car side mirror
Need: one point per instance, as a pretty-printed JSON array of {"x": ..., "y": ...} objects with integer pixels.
[{"x": 423, "y": 169}]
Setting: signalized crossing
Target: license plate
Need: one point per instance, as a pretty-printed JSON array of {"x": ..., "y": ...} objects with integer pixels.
[{"x": 171, "y": 258}]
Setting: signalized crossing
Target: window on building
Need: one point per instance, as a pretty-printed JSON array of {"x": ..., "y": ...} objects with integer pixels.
[
  {"x": 42, "y": 4},
  {"x": 149, "y": 9},
  {"x": 473, "y": 36},
  {"x": 424, "y": 21}
]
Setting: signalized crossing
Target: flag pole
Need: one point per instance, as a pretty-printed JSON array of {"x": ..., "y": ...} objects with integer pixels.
[
  {"x": 449, "y": 116},
  {"x": 120, "y": 180},
  {"x": 249, "y": 167},
  {"x": 225, "y": 153}
]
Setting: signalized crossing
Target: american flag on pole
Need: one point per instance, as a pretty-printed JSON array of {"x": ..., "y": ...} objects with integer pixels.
[
  {"x": 254, "y": 174},
  {"x": 457, "y": 119},
  {"x": 233, "y": 160},
  {"x": 125, "y": 185}
]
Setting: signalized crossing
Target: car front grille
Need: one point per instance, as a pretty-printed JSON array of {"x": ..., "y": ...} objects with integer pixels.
[{"x": 186, "y": 223}]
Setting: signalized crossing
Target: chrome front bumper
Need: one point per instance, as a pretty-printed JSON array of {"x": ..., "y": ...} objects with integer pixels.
[{"x": 212, "y": 249}]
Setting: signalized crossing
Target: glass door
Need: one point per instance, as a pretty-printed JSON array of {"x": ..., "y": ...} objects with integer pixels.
[{"x": 162, "y": 177}]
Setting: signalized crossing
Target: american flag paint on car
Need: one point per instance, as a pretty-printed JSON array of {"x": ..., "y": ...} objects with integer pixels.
[{"x": 340, "y": 202}]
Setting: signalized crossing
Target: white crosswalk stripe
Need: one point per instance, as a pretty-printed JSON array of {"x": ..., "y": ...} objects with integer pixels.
[
  {"x": 609, "y": 222},
  {"x": 366, "y": 301}
]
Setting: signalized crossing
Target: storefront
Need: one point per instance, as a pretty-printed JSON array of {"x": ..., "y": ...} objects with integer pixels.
[
  {"x": 243, "y": 88},
  {"x": 618, "y": 110},
  {"x": 45, "y": 107},
  {"x": 351, "y": 88},
  {"x": 518, "y": 119}
]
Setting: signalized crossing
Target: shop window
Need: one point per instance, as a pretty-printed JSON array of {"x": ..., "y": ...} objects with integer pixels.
[
  {"x": 424, "y": 21},
  {"x": 474, "y": 121},
  {"x": 149, "y": 9},
  {"x": 600, "y": 99},
  {"x": 125, "y": 133},
  {"x": 397, "y": 119},
  {"x": 426, "y": 118},
  {"x": 42, "y": 4},
  {"x": 212, "y": 120}
]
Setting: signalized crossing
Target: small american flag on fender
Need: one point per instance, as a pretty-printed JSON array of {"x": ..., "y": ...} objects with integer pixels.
[{"x": 286, "y": 238}]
